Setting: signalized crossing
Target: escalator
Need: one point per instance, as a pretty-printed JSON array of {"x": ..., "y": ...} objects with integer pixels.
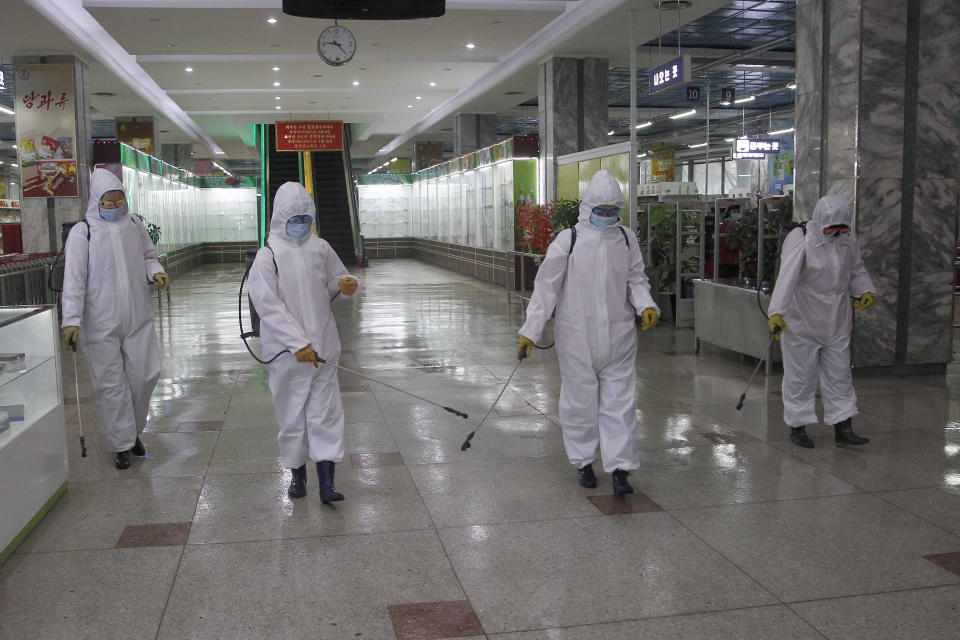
[{"x": 329, "y": 176}]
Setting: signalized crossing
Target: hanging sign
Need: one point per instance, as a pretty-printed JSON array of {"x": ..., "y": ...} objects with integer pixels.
[
  {"x": 728, "y": 95},
  {"x": 754, "y": 148},
  {"x": 310, "y": 135},
  {"x": 693, "y": 94},
  {"x": 46, "y": 130},
  {"x": 670, "y": 74}
]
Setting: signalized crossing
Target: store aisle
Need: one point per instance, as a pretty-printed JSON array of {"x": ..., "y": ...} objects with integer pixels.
[{"x": 734, "y": 533}]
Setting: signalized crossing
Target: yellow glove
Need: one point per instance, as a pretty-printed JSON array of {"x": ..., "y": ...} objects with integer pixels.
[
  {"x": 162, "y": 279},
  {"x": 71, "y": 335},
  {"x": 777, "y": 325},
  {"x": 649, "y": 319},
  {"x": 865, "y": 302},
  {"x": 348, "y": 286},
  {"x": 524, "y": 347},
  {"x": 307, "y": 354}
]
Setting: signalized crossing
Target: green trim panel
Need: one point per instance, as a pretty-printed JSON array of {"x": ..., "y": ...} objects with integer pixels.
[{"x": 18, "y": 540}]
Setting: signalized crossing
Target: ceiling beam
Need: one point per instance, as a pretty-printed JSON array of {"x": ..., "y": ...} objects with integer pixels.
[{"x": 452, "y": 5}]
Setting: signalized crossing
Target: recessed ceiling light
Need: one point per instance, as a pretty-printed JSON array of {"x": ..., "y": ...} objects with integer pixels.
[
  {"x": 276, "y": 68},
  {"x": 272, "y": 20},
  {"x": 356, "y": 83},
  {"x": 278, "y": 107},
  {"x": 188, "y": 69},
  {"x": 433, "y": 84},
  {"x": 276, "y": 84},
  {"x": 470, "y": 45},
  {"x": 409, "y": 106},
  {"x": 419, "y": 97},
  {"x": 276, "y": 97}
]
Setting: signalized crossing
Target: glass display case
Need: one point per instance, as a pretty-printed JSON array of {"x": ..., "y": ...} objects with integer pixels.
[
  {"x": 443, "y": 208},
  {"x": 470, "y": 217},
  {"x": 485, "y": 206},
  {"x": 385, "y": 206},
  {"x": 33, "y": 445}
]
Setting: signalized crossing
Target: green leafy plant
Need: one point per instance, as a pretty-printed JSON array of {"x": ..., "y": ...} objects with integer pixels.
[
  {"x": 743, "y": 236},
  {"x": 152, "y": 230},
  {"x": 565, "y": 214}
]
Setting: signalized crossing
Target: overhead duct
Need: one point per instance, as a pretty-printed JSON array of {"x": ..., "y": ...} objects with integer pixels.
[{"x": 365, "y": 9}]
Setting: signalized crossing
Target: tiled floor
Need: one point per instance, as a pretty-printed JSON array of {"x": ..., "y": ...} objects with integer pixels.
[{"x": 734, "y": 532}]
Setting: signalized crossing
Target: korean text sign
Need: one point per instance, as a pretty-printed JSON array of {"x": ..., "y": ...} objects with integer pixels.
[
  {"x": 46, "y": 130},
  {"x": 310, "y": 135}
]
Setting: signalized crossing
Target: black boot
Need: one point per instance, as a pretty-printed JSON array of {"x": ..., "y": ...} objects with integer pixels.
[
  {"x": 620, "y": 484},
  {"x": 298, "y": 482},
  {"x": 138, "y": 448},
  {"x": 122, "y": 460},
  {"x": 845, "y": 435},
  {"x": 588, "y": 479},
  {"x": 799, "y": 437},
  {"x": 325, "y": 470}
]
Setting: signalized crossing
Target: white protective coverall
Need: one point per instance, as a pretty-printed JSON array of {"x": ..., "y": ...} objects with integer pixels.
[
  {"x": 818, "y": 275},
  {"x": 597, "y": 290},
  {"x": 292, "y": 297},
  {"x": 106, "y": 293}
]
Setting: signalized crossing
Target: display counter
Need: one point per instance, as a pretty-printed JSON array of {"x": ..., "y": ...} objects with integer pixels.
[
  {"x": 33, "y": 444},
  {"x": 727, "y": 314}
]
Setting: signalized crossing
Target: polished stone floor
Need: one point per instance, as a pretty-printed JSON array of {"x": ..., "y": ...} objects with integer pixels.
[{"x": 734, "y": 533}]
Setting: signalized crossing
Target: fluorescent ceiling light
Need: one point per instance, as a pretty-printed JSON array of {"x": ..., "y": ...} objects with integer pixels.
[
  {"x": 725, "y": 104},
  {"x": 729, "y": 139},
  {"x": 697, "y": 146},
  {"x": 685, "y": 114},
  {"x": 220, "y": 152},
  {"x": 9, "y": 112},
  {"x": 742, "y": 100},
  {"x": 644, "y": 124},
  {"x": 14, "y": 164},
  {"x": 641, "y": 155},
  {"x": 272, "y": 20},
  {"x": 792, "y": 85},
  {"x": 780, "y": 131},
  {"x": 610, "y": 133},
  {"x": 393, "y": 159},
  {"x": 752, "y": 66}
]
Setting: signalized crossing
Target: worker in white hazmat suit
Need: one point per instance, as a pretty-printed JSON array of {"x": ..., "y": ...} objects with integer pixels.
[
  {"x": 593, "y": 276},
  {"x": 109, "y": 264},
  {"x": 820, "y": 270},
  {"x": 291, "y": 286}
]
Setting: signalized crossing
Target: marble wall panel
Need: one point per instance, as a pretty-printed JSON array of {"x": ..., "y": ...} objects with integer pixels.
[
  {"x": 875, "y": 330},
  {"x": 807, "y": 168},
  {"x": 565, "y": 110},
  {"x": 938, "y": 130},
  {"x": 939, "y": 54},
  {"x": 847, "y": 187},
  {"x": 34, "y": 227},
  {"x": 844, "y": 60},
  {"x": 934, "y": 225},
  {"x": 881, "y": 131},
  {"x": 842, "y": 131},
  {"x": 930, "y": 334},
  {"x": 883, "y": 33},
  {"x": 809, "y": 49},
  {"x": 877, "y": 223},
  {"x": 596, "y": 72}
]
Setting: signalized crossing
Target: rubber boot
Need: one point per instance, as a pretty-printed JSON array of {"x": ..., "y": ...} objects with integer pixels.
[
  {"x": 620, "y": 484},
  {"x": 122, "y": 460},
  {"x": 138, "y": 448},
  {"x": 845, "y": 435},
  {"x": 298, "y": 482},
  {"x": 799, "y": 437},
  {"x": 325, "y": 469},
  {"x": 588, "y": 479}
]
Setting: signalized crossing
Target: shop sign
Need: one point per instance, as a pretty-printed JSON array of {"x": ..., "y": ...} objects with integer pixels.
[
  {"x": 754, "y": 148},
  {"x": 138, "y": 135},
  {"x": 315, "y": 135},
  {"x": 9, "y": 204},
  {"x": 46, "y": 130},
  {"x": 670, "y": 74}
]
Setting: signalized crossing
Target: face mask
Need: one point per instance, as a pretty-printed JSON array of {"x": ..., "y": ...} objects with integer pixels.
[
  {"x": 735, "y": 217},
  {"x": 603, "y": 222},
  {"x": 298, "y": 230},
  {"x": 112, "y": 215}
]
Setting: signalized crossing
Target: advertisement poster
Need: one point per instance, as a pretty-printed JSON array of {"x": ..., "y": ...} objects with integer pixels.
[
  {"x": 316, "y": 135},
  {"x": 46, "y": 130},
  {"x": 663, "y": 166},
  {"x": 138, "y": 135},
  {"x": 781, "y": 171}
]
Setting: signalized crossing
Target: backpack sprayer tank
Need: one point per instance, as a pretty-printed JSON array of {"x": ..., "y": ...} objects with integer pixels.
[{"x": 254, "y": 317}]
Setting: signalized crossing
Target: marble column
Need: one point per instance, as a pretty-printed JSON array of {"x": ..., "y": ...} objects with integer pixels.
[
  {"x": 473, "y": 131},
  {"x": 878, "y": 91},
  {"x": 41, "y": 218},
  {"x": 573, "y": 112}
]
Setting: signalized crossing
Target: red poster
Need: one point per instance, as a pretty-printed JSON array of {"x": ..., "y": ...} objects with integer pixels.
[{"x": 315, "y": 135}]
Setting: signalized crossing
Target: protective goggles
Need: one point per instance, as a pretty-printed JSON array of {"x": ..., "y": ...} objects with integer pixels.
[
  {"x": 607, "y": 213},
  {"x": 837, "y": 230},
  {"x": 304, "y": 219},
  {"x": 113, "y": 204}
]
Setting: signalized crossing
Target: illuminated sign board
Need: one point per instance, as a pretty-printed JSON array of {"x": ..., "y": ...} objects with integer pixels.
[
  {"x": 754, "y": 148},
  {"x": 670, "y": 74}
]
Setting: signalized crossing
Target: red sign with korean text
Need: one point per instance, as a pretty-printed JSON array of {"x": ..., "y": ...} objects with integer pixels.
[{"x": 313, "y": 135}]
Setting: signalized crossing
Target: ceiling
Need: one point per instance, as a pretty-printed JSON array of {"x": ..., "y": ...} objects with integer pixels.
[{"x": 232, "y": 51}]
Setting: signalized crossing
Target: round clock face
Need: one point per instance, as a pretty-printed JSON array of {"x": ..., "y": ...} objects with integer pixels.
[{"x": 336, "y": 45}]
